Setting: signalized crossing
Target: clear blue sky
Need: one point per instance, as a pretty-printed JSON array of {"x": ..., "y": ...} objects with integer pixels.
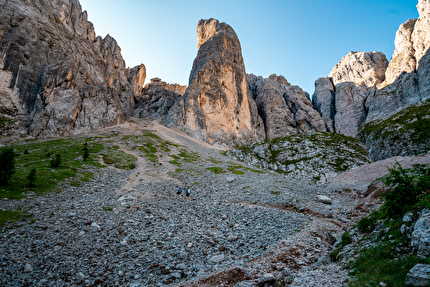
[{"x": 301, "y": 40}]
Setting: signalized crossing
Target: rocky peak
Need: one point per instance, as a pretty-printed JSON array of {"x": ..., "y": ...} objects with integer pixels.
[
  {"x": 61, "y": 79},
  {"x": 340, "y": 97},
  {"x": 70, "y": 13},
  {"x": 285, "y": 109},
  {"x": 217, "y": 107},
  {"x": 360, "y": 67}
]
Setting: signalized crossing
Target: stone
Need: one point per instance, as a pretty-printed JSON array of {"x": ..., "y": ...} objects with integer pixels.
[
  {"x": 408, "y": 218},
  {"x": 28, "y": 268},
  {"x": 216, "y": 259},
  {"x": 419, "y": 275},
  {"x": 285, "y": 109},
  {"x": 190, "y": 245},
  {"x": 181, "y": 267},
  {"x": 324, "y": 199},
  {"x": 247, "y": 283},
  {"x": 420, "y": 239},
  {"x": 232, "y": 237},
  {"x": 267, "y": 278},
  {"x": 80, "y": 277},
  {"x": 123, "y": 242},
  {"x": 217, "y": 107},
  {"x": 175, "y": 276},
  {"x": 95, "y": 225},
  {"x": 230, "y": 179}
]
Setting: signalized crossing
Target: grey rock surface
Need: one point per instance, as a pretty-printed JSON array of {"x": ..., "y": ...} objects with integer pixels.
[
  {"x": 157, "y": 97},
  {"x": 217, "y": 107},
  {"x": 419, "y": 275},
  {"x": 56, "y": 76},
  {"x": 340, "y": 97},
  {"x": 421, "y": 235},
  {"x": 285, "y": 109}
]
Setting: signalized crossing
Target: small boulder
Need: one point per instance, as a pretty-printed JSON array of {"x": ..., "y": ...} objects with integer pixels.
[
  {"x": 268, "y": 279},
  {"x": 324, "y": 199},
  {"x": 217, "y": 259},
  {"x": 419, "y": 275}
]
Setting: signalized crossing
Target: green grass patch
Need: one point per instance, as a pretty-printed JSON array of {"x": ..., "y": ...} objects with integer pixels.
[
  {"x": 386, "y": 255},
  {"x": 216, "y": 170},
  {"x": 11, "y": 217},
  {"x": 277, "y": 193},
  {"x": 120, "y": 159},
  {"x": 38, "y": 156}
]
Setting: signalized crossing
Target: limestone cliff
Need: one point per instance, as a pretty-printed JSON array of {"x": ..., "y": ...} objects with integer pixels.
[
  {"x": 285, "y": 109},
  {"x": 157, "y": 98},
  {"x": 56, "y": 76},
  {"x": 363, "y": 88},
  {"x": 340, "y": 97},
  {"x": 217, "y": 107},
  {"x": 407, "y": 76}
]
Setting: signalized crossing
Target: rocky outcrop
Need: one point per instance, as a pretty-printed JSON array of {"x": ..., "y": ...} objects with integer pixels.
[
  {"x": 217, "y": 107},
  {"x": 56, "y": 74},
  {"x": 307, "y": 156},
  {"x": 407, "y": 76},
  {"x": 285, "y": 109},
  {"x": 340, "y": 97},
  {"x": 403, "y": 134},
  {"x": 362, "y": 88},
  {"x": 157, "y": 99}
]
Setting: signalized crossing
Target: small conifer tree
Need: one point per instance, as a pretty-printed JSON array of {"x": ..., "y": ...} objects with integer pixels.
[
  {"x": 86, "y": 152},
  {"x": 31, "y": 177},
  {"x": 56, "y": 160},
  {"x": 7, "y": 166}
]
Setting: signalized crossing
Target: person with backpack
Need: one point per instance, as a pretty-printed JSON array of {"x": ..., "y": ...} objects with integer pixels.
[
  {"x": 187, "y": 193},
  {"x": 178, "y": 192}
]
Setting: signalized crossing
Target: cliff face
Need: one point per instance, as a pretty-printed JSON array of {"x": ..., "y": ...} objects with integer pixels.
[
  {"x": 285, "y": 109},
  {"x": 157, "y": 98},
  {"x": 340, "y": 97},
  {"x": 56, "y": 75},
  {"x": 407, "y": 76},
  {"x": 364, "y": 87}
]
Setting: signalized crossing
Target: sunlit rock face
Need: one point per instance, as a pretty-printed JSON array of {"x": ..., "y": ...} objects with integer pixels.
[
  {"x": 217, "y": 107},
  {"x": 408, "y": 74},
  {"x": 284, "y": 108},
  {"x": 340, "y": 97},
  {"x": 57, "y": 77}
]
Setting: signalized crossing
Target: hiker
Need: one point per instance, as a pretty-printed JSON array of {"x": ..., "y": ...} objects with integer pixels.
[
  {"x": 178, "y": 192},
  {"x": 187, "y": 193}
]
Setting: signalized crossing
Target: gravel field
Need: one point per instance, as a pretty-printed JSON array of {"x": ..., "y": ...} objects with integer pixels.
[{"x": 126, "y": 228}]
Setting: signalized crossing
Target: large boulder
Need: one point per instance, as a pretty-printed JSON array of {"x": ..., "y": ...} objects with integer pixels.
[
  {"x": 285, "y": 109},
  {"x": 157, "y": 98},
  {"x": 217, "y": 107},
  {"x": 56, "y": 75},
  {"x": 340, "y": 97}
]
